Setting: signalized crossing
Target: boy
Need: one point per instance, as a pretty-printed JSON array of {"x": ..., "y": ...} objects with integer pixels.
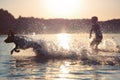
[{"x": 98, "y": 34}]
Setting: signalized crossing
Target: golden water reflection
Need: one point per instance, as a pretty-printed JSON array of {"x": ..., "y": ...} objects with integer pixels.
[
  {"x": 56, "y": 70},
  {"x": 63, "y": 40}
]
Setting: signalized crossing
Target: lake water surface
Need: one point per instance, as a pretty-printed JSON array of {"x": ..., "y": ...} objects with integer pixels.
[{"x": 69, "y": 49}]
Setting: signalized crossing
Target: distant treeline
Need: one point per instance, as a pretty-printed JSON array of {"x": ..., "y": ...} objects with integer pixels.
[{"x": 28, "y": 25}]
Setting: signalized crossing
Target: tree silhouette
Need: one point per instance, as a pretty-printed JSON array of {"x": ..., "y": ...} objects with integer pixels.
[{"x": 27, "y": 25}]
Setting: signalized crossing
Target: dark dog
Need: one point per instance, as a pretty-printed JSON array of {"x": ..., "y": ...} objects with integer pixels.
[{"x": 21, "y": 42}]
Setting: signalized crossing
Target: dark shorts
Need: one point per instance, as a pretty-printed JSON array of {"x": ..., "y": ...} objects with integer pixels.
[{"x": 96, "y": 40}]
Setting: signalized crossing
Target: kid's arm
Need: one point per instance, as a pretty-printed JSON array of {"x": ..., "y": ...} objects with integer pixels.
[{"x": 90, "y": 33}]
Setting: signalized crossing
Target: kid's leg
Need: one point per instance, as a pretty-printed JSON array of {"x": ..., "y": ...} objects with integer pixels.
[
  {"x": 92, "y": 43},
  {"x": 97, "y": 43}
]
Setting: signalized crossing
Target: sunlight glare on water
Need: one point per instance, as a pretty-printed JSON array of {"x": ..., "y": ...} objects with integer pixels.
[{"x": 63, "y": 40}]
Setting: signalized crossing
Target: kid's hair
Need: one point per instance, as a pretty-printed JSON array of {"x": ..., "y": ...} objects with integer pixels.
[{"x": 94, "y": 18}]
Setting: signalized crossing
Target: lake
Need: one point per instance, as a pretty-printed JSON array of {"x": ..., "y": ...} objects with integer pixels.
[{"x": 68, "y": 61}]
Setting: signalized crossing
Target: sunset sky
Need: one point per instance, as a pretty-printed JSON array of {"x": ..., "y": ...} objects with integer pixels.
[{"x": 71, "y": 9}]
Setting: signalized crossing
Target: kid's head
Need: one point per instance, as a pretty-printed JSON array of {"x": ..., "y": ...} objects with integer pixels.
[{"x": 94, "y": 19}]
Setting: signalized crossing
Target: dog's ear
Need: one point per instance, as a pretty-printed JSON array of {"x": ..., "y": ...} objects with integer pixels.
[{"x": 10, "y": 33}]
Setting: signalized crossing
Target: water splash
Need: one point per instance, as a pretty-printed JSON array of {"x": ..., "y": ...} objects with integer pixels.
[
  {"x": 109, "y": 45},
  {"x": 76, "y": 51}
]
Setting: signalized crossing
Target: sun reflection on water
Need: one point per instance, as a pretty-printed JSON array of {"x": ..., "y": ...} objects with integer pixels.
[{"x": 63, "y": 40}]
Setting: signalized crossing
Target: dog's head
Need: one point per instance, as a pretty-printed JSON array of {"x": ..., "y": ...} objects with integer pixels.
[{"x": 10, "y": 37}]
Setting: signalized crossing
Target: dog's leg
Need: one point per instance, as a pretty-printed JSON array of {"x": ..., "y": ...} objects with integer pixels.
[
  {"x": 16, "y": 48},
  {"x": 12, "y": 51}
]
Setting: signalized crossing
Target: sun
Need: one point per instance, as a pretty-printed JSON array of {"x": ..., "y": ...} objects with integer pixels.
[{"x": 62, "y": 8}]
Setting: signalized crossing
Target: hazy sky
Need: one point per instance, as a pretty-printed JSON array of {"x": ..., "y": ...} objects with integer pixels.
[{"x": 72, "y": 9}]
